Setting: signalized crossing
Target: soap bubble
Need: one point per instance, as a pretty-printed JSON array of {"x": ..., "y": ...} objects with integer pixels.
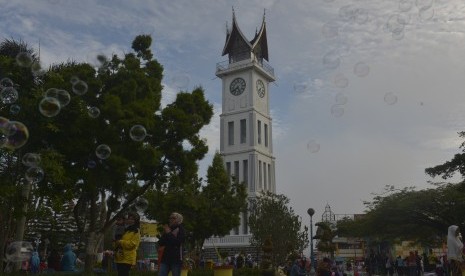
[
  {"x": 49, "y": 107},
  {"x": 93, "y": 112},
  {"x": 137, "y": 133},
  {"x": 34, "y": 174},
  {"x": 19, "y": 137},
  {"x": 36, "y": 69},
  {"x": 19, "y": 251},
  {"x": 181, "y": 81},
  {"x": 91, "y": 164},
  {"x": 313, "y": 146},
  {"x": 103, "y": 151},
  {"x": 80, "y": 87},
  {"x": 337, "y": 110},
  {"x": 24, "y": 59},
  {"x": 61, "y": 95},
  {"x": 390, "y": 98},
  {"x": 341, "y": 81},
  {"x": 14, "y": 109},
  {"x": 31, "y": 159},
  {"x": 331, "y": 60},
  {"x": 6, "y": 82},
  {"x": 9, "y": 95},
  {"x": 141, "y": 204},
  {"x": 361, "y": 69},
  {"x": 73, "y": 79}
]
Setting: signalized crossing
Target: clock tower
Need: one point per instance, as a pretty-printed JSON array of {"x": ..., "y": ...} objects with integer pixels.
[{"x": 245, "y": 122}]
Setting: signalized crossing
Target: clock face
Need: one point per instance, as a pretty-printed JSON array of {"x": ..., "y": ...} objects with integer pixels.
[
  {"x": 237, "y": 86},
  {"x": 260, "y": 88}
]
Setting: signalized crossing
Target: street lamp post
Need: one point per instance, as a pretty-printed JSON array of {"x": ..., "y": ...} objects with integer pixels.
[{"x": 311, "y": 212}]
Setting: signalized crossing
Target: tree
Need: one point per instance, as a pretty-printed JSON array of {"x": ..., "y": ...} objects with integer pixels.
[
  {"x": 265, "y": 211},
  {"x": 209, "y": 210},
  {"x": 325, "y": 235},
  {"x": 111, "y": 142}
]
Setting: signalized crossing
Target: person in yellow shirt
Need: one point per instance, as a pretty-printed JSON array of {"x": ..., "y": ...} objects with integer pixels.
[{"x": 125, "y": 257}]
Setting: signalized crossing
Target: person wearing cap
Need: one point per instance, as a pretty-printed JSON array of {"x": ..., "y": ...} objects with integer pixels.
[{"x": 129, "y": 242}]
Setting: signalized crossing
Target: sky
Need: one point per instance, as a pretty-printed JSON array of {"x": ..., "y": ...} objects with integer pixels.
[{"x": 368, "y": 93}]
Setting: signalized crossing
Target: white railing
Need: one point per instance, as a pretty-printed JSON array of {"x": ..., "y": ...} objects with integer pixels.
[
  {"x": 234, "y": 240},
  {"x": 226, "y": 65}
]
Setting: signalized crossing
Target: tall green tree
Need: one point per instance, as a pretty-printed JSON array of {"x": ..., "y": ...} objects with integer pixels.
[
  {"x": 97, "y": 158},
  {"x": 270, "y": 216}
]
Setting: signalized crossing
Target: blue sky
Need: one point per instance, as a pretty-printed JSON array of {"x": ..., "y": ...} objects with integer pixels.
[{"x": 368, "y": 92}]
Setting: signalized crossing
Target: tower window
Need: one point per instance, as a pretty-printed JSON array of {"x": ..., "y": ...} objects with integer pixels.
[
  {"x": 265, "y": 130},
  {"x": 245, "y": 171},
  {"x": 265, "y": 183},
  {"x": 230, "y": 133},
  {"x": 259, "y": 175},
  {"x": 228, "y": 168},
  {"x": 243, "y": 131},
  {"x": 269, "y": 177},
  {"x": 259, "y": 129},
  {"x": 236, "y": 171}
]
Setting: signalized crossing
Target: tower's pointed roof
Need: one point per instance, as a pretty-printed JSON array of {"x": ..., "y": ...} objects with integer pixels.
[{"x": 235, "y": 34}]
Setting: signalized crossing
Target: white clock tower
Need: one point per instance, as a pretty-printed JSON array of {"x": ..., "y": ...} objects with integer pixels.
[{"x": 246, "y": 129}]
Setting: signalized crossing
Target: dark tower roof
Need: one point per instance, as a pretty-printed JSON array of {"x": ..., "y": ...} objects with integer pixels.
[{"x": 237, "y": 43}]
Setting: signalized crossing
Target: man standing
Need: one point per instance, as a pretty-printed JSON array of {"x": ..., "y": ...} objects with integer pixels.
[{"x": 172, "y": 240}]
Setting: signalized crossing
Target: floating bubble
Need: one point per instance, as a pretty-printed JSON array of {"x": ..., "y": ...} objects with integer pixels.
[
  {"x": 6, "y": 127},
  {"x": 24, "y": 59},
  {"x": 330, "y": 30},
  {"x": 398, "y": 35},
  {"x": 390, "y": 98},
  {"x": 331, "y": 60},
  {"x": 341, "y": 98},
  {"x": 93, "y": 112},
  {"x": 80, "y": 87},
  {"x": 300, "y": 88},
  {"x": 395, "y": 23},
  {"x": 31, "y": 159},
  {"x": 36, "y": 69},
  {"x": 340, "y": 80},
  {"x": 6, "y": 82},
  {"x": 91, "y": 164},
  {"x": 426, "y": 13},
  {"x": 141, "y": 204},
  {"x": 424, "y": 4},
  {"x": 14, "y": 109},
  {"x": 347, "y": 12},
  {"x": 361, "y": 16},
  {"x": 361, "y": 69},
  {"x": 61, "y": 95},
  {"x": 337, "y": 110},
  {"x": 138, "y": 133},
  {"x": 49, "y": 107},
  {"x": 405, "y": 5},
  {"x": 313, "y": 146},
  {"x": 19, "y": 251},
  {"x": 103, "y": 151},
  {"x": 9, "y": 95},
  {"x": 34, "y": 174},
  {"x": 19, "y": 137},
  {"x": 181, "y": 81},
  {"x": 73, "y": 79}
]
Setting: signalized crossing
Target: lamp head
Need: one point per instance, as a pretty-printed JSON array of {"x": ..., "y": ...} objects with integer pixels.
[{"x": 310, "y": 212}]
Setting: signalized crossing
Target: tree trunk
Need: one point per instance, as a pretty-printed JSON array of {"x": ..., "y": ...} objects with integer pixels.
[
  {"x": 21, "y": 223},
  {"x": 91, "y": 252}
]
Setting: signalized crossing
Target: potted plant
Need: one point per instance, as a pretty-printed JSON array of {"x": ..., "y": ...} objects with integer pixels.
[{"x": 222, "y": 268}]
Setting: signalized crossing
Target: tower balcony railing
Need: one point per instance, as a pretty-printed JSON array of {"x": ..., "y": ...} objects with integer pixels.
[
  {"x": 233, "y": 240},
  {"x": 227, "y": 65}
]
